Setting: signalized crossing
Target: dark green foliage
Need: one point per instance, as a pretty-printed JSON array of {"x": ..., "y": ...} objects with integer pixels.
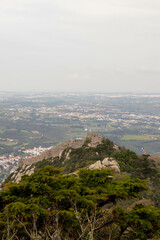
[
  {"x": 140, "y": 223},
  {"x": 49, "y": 203},
  {"x": 145, "y": 169},
  {"x": 95, "y": 178},
  {"x": 127, "y": 159},
  {"x": 43, "y": 163}
]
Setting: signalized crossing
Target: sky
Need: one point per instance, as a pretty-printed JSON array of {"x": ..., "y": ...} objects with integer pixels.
[{"x": 85, "y": 45}]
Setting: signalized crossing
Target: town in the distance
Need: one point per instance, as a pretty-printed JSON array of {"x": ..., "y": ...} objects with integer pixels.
[{"x": 31, "y": 123}]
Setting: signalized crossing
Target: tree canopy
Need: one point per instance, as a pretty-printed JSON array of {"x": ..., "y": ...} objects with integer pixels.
[{"x": 52, "y": 205}]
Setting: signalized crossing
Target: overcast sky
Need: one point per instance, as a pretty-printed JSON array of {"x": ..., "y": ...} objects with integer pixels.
[{"x": 80, "y": 45}]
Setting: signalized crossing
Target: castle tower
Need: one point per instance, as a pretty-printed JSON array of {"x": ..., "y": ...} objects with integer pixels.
[
  {"x": 92, "y": 135},
  {"x": 94, "y": 138}
]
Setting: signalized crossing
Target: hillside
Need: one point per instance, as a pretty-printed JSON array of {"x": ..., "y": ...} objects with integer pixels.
[
  {"x": 88, "y": 189},
  {"x": 69, "y": 156},
  {"x": 94, "y": 152},
  {"x": 72, "y": 155}
]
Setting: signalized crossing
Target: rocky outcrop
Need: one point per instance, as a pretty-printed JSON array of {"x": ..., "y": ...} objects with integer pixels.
[
  {"x": 106, "y": 163},
  {"x": 96, "y": 165},
  {"x": 116, "y": 148},
  {"x": 25, "y": 170}
]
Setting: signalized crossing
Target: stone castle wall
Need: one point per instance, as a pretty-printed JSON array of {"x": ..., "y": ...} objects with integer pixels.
[
  {"x": 53, "y": 152},
  {"x": 57, "y": 150}
]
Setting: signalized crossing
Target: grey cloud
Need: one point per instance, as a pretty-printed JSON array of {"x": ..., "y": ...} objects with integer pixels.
[
  {"x": 61, "y": 45},
  {"x": 150, "y": 70},
  {"x": 79, "y": 76}
]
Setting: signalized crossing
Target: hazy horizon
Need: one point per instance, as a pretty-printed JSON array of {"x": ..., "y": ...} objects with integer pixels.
[{"x": 79, "y": 92}]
